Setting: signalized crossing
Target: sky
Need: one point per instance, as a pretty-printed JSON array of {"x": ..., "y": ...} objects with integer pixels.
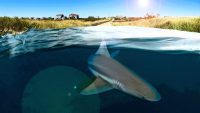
[{"x": 102, "y": 8}]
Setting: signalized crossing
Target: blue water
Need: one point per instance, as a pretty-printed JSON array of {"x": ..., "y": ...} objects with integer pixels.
[{"x": 35, "y": 65}]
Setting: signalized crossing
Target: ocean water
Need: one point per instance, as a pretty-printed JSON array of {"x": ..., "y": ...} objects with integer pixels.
[{"x": 43, "y": 71}]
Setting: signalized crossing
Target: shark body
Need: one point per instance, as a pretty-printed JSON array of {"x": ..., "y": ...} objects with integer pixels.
[{"x": 113, "y": 75}]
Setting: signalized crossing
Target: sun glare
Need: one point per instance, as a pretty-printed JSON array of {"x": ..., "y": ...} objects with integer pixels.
[{"x": 143, "y": 3}]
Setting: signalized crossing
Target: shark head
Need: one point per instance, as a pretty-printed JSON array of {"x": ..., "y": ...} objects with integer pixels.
[{"x": 113, "y": 75}]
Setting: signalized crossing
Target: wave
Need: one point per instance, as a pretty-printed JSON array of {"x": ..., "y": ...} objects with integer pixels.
[{"x": 117, "y": 37}]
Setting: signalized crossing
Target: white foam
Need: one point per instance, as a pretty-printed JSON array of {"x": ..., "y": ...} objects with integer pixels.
[
  {"x": 134, "y": 32},
  {"x": 168, "y": 39}
]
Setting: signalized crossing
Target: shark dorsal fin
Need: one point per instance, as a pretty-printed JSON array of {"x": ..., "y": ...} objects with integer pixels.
[
  {"x": 103, "y": 49},
  {"x": 98, "y": 86}
]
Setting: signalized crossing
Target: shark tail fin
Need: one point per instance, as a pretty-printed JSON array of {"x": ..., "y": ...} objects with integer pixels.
[
  {"x": 98, "y": 86},
  {"x": 103, "y": 49}
]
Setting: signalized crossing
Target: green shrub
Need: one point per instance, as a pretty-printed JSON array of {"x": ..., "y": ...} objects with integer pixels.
[
  {"x": 91, "y": 18},
  {"x": 13, "y": 25}
]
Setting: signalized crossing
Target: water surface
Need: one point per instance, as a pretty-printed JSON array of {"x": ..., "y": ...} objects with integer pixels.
[{"x": 167, "y": 59}]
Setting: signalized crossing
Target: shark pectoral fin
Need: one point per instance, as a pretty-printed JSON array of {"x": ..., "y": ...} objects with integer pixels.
[{"x": 98, "y": 86}]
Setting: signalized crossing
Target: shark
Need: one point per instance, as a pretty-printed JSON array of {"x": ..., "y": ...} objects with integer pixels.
[{"x": 111, "y": 74}]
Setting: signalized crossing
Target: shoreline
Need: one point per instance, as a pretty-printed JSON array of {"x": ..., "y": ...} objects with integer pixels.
[
  {"x": 180, "y": 24},
  {"x": 25, "y": 25},
  {"x": 189, "y": 24}
]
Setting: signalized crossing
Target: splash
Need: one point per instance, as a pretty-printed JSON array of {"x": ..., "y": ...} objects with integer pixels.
[{"x": 123, "y": 37}]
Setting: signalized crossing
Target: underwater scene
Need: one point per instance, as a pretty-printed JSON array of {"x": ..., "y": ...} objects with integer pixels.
[{"x": 100, "y": 70}]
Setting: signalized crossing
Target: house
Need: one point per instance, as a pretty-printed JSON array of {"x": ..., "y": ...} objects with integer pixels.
[
  {"x": 59, "y": 17},
  {"x": 74, "y": 16}
]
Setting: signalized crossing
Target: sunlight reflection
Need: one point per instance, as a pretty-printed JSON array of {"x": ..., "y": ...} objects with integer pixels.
[{"x": 143, "y": 3}]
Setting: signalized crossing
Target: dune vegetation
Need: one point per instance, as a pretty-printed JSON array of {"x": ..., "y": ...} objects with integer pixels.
[
  {"x": 43, "y": 24},
  {"x": 191, "y": 24},
  {"x": 11, "y": 25},
  {"x": 16, "y": 25}
]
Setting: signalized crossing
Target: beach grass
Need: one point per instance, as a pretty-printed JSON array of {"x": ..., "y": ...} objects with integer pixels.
[
  {"x": 9, "y": 25},
  {"x": 191, "y": 24},
  {"x": 43, "y": 24},
  {"x": 16, "y": 25}
]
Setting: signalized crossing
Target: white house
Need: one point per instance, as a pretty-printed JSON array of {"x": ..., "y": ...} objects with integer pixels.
[
  {"x": 74, "y": 16},
  {"x": 59, "y": 17}
]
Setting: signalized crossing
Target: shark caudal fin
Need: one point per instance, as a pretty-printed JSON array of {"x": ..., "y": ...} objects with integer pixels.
[
  {"x": 98, "y": 86},
  {"x": 103, "y": 49}
]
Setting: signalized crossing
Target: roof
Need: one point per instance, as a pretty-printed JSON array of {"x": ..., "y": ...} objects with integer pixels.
[
  {"x": 60, "y": 15},
  {"x": 74, "y": 14}
]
